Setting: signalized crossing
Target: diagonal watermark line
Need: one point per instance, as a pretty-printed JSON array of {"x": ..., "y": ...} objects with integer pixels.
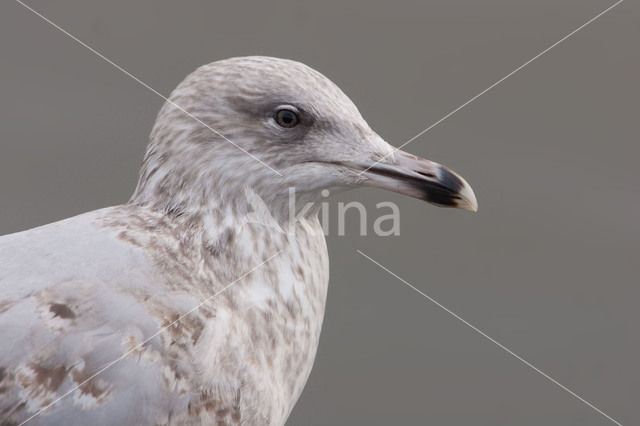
[
  {"x": 494, "y": 85},
  {"x": 142, "y": 83},
  {"x": 500, "y": 345},
  {"x": 141, "y": 345}
]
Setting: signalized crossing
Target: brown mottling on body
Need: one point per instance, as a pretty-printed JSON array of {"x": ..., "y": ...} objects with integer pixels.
[
  {"x": 90, "y": 386},
  {"x": 61, "y": 310},
  {"x": 41, "y": 381},
  {"x": 49, "y": 377},
  {"x": 5, "y": 305}
]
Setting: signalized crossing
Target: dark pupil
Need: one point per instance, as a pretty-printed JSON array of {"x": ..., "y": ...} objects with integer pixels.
[{"x": 287, "y": 118}]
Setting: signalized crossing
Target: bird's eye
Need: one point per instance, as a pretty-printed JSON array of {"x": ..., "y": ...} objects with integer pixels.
[{"x": 286, "y": 117}]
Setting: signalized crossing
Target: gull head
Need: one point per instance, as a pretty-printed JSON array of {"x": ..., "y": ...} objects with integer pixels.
[{"x": 270, "y": 125}]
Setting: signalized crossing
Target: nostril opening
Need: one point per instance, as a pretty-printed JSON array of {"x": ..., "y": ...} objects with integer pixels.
[{"x": 426, "y": 174}]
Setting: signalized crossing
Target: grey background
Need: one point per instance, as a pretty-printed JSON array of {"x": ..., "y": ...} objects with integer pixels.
[{"x": 548, "y": 266}]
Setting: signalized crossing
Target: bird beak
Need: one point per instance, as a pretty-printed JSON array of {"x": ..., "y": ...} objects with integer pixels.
[{"x": 417, "y": 177}]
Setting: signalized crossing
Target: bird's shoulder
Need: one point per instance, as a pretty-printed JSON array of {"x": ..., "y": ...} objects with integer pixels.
[{"x": 85, "y": 292}]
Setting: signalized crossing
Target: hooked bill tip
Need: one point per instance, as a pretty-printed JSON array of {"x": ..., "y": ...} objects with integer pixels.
[{"x": 451, "y": 190}]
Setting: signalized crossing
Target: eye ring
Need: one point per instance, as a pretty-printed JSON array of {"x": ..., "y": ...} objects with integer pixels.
[{"x": 287, "y": 117}]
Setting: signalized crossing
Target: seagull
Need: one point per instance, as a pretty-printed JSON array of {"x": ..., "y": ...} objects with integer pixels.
[{"x": 182, "y": 306}]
